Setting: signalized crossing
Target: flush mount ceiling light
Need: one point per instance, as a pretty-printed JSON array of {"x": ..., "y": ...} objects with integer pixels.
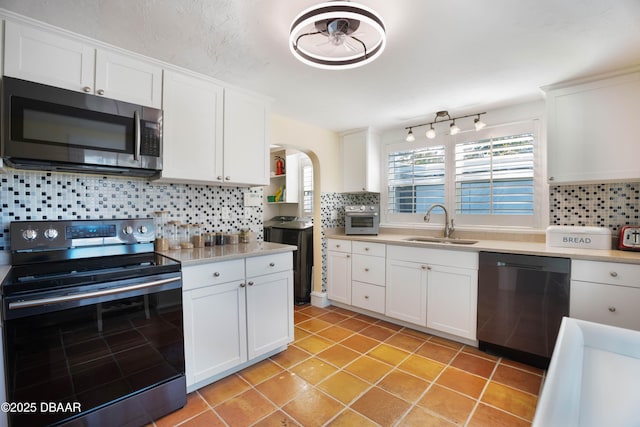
[
  {"x": 337, "y": 35},
  {"x": 442, "y": 117}
]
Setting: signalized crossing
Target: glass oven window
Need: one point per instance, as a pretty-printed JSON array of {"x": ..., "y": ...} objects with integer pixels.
[
  {"x": 362, "y": 221},
  {"x": 94, "y": 354}
]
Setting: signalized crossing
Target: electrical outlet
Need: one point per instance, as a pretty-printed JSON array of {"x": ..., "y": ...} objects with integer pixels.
[
  {"x": 225, "y": 214},
  {"x": 334, "y": 215}
]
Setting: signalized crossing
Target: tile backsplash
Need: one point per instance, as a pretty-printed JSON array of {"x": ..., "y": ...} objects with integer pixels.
[
  {"x": 602, "y": 205},
  {"x": 31, "y": 195}
]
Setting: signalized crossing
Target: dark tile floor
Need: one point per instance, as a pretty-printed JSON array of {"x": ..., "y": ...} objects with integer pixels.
[{"x": 347, "y": 369}]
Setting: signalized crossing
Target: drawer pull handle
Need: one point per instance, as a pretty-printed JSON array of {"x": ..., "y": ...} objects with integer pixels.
[
  {"x": 348, "y": 256},
  {"x": 272, "y": 264},
  {"x": 216, "y": 274},
  {"x": 366, "y": 297},
  {"x": 612, "y": 309},
  {"x": 242, "y": 285},
  {"x": 250, "y": 283},
  {"x": 366, "y": 249},
  {"x": 100, "y": 92},
  {"x": 337, "y": 246},
  {"x": 366, "y": 269},
  {"x": 613, "y": 274},
  {"x": 86, "y": 89}
]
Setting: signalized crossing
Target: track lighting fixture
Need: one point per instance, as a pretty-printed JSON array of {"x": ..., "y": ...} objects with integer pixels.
[{"x": 443, "y": 116}]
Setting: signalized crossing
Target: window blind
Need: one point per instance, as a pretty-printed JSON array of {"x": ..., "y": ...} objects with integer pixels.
[
  {"x": 495, "y": 176},
  {"x": 416, "y": 179}
]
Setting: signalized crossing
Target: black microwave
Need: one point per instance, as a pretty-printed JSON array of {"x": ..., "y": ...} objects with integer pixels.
[{"x": 48, "y": 128}]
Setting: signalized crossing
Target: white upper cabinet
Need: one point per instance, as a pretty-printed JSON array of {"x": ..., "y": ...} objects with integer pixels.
[
  {"x": 592, "y": 131},
  {"x": 126, "y": 78},
  {"x": 361, "y": 161},
  {"x": 246, "y": 146},
  {"x": 55, "y": 59},
  {"x": 193, "y": 120}
]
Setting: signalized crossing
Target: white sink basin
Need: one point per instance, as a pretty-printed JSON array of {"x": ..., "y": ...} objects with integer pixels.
[
  {"x": 444, "y": 240},
  {"x": 593, "y": 377}
]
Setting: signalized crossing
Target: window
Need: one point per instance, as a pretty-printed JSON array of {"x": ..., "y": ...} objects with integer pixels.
[
  {"x": 307, "y": 185},
  {"x": 495, "y": 176},
  {"x": 416, "y": 179},
  {"x": 484, "y": 178}
]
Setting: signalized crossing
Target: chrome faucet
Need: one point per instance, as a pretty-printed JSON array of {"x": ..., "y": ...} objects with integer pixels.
[{"x": 448, "y": 229}]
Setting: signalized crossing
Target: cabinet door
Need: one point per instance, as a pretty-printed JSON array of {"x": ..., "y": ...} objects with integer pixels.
[
  {"x": 128, "y": 79},
  {"x": 215, "y": 336},
  {"x": 608, "y": 304},
  {"x": 246, "y": 142},
  {"x": 406, "y": 291},
  {"x": 339, "y": 276},
  {"x": 48, "y": 58},
  {"x": 592, "y": 134},
  {"x": 452, "y": 299},
  {"x": 269, "y": 312},
  {"x": 361, "y": 162},
  {"x": 192, "y": 129}
]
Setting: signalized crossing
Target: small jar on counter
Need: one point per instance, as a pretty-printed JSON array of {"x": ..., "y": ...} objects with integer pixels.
[
  {"x": 209, "y": 239},
  {"x": 197, "y": 238},
  {"x": 160, "y": 224},
  {"x": 185, "y": 236},
  {"x": 233, "y": 238},
  {"x": 245, "y": 236},
  {"x": 174, "y": 234}
]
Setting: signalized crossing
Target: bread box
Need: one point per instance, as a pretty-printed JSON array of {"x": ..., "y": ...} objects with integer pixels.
[{"x": 578, "y": 237}]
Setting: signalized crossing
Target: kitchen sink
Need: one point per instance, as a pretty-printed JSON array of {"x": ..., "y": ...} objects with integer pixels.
[{"x": 445, "y": 240}]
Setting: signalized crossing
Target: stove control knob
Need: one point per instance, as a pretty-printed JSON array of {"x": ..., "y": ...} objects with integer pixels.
[
  {"x": 143, "y": 229},
  {"x": 128, "y": 230},
  {"x": 51, "y": 233},
  {"x": 29, "y": 234},
  {"x": 361, "y": 208}
]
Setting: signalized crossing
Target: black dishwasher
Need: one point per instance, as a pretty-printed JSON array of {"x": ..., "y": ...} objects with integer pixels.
[{"x": 521, "y": 302}]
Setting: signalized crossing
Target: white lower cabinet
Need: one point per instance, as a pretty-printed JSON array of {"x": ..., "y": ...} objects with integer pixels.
[
  {"x": 452, "y": 300},
  {"x": 406, "y": 291},
  {"x": 231, "y": 318},
  {"x": 339, "y": 271},
  {"x": 433, "y": 288},
  {"x": 605, "y": 292}
]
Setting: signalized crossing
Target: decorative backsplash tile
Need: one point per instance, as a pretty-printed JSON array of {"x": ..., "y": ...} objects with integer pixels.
[
  {"x": 600, "y": 205},
  {"x": 30, "y": 195}
]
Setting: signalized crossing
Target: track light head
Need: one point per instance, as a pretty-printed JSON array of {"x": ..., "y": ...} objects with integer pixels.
[
  {"x": 431, "y": 133},
  {"x": 453, "y": 129},
  {"x": 478, "y": 123},
  {"x": 410, "y": 137}
]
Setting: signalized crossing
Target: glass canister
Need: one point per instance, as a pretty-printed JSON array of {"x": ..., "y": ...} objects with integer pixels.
[
  {"x": 197, "y": 238},
  {"x": 185, "y": 236},
  {"x": 160, "y": 223},
  {"x": 245, "y": 236},
  {"x": 174, "y": 234},
  {"x": 209, "y": 239}
]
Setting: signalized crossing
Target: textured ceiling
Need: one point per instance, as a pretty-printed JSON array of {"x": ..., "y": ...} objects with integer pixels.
[{"x": 456, "y": 55}]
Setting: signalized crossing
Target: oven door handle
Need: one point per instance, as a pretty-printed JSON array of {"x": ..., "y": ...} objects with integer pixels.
[{"x": 67, "y": 298}]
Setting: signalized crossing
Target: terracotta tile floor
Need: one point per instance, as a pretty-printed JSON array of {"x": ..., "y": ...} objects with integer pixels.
[{"x": 347, "y": 369}]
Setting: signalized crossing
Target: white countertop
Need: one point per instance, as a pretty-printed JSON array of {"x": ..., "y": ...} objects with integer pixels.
[
  {"x": 505, "y": 246},
  {"x": 227, "y": 252}
]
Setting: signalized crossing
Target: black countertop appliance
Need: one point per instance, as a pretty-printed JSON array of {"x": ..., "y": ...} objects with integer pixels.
[{"x": 292, "y": 230}]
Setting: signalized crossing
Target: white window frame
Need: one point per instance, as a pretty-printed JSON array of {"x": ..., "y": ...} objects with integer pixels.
[{"x": 537, "y": 221}]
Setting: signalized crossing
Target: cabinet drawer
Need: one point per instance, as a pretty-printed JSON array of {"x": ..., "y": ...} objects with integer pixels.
[
  {"x": 613, "y": 273},
  {"x": 608, "y": 304},
  {"x": 452, "y": 258},
  {"x": 197, "y": 276},
  {"x": 369, "y": 269},
  {"x": 339, "y": 245},
  {"x": 367, "y": 296},
  {"x": 367, "y": 248},
  {"x": 267, "y": 264}
]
